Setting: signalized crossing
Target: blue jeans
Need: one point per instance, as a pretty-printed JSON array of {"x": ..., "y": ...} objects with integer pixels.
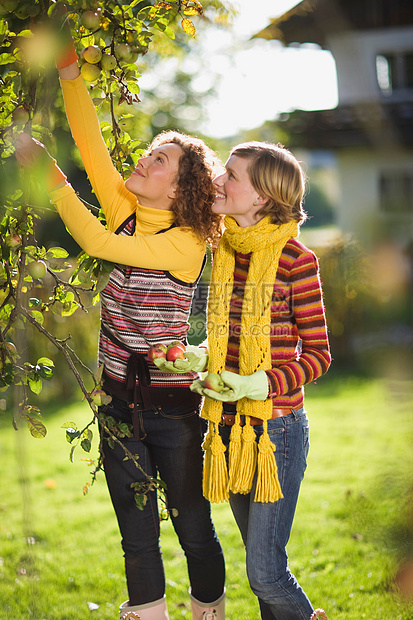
[
  {"x": 171, "y": 445},
  {"x": 265, "y": 528}
]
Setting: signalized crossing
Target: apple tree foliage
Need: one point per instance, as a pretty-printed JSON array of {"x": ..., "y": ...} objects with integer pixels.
[{"x": 109, "y": 37}]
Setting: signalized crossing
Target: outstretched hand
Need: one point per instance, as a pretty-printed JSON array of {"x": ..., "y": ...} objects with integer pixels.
[
  {"x": 29, "y": 151},
  {"x": 66, "y": 57},
  {"x": 196, "y": 361},
  {"x": 236, "y": 386},
  {"x": 32, "y": 154}
]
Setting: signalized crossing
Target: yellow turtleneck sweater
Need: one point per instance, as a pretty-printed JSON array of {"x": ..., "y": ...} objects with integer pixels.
[{"x": 177, "y": 250}]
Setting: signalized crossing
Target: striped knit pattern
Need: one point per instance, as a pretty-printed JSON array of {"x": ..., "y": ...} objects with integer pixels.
[
  {"x": 299, "y": 343},
  {"x": 143, "y": 307}
]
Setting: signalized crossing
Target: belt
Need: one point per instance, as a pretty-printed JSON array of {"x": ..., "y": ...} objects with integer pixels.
[{"x": 228, "y": 419}]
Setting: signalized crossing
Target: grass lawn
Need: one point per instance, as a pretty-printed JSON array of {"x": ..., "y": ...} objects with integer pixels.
[{"x": 60, "y": 551}]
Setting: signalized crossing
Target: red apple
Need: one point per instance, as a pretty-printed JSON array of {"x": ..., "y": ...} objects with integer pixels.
[
  {"x": 158, "y": 350},
  {"x": 214, "y": 382},
  {"x": 174, "y": 353},
  {"x": 177, "y": 343},
  {"x": 13, "y": 240}
]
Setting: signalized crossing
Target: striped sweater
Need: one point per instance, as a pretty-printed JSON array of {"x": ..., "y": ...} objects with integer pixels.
[
  {"x": 299, "y": 343},
  {"x": 140, "y": 308}
]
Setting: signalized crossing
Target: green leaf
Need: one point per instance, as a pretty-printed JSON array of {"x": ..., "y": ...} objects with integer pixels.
[
  {"x": 133, "y": 87},
  {"x": 86, "y": 41},
  {"x": 86, "y": 445},
  {"x": 38, "y": 316},
  {"x": 35, "y": 385},
  {"x": 71, "y": 435},
  {"x": 140, "y": 501},
  {"x": 69, "y": 308},
  {"x": 87, "y": 434},
  {"x": 56, "y": 253},
  {"x": 36, "y": 428},
  {"x": 107, "y": 266},
  {"x": 28, "y": 34},
  {"x": 46, "y": 361},
  {"x": 102, "y": 281},
  {"x": 6, "y": 59},
  {"x": 99, "y": 373},
  {"x": 71, "y": 425},
  {"x": 45, "y": 372}
]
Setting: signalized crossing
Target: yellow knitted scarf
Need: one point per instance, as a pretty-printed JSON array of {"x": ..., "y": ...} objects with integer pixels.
[{"x": 265, "y": 241}]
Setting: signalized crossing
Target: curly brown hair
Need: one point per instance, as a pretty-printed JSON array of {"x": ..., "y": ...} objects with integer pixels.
[{"x": 195, "y": 193}]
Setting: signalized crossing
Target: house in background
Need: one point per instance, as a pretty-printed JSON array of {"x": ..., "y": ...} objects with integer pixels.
[{"x": 371, "y": 130}]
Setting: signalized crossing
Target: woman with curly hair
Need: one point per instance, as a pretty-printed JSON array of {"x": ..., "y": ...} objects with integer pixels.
[{"x": 158, "y": 224}]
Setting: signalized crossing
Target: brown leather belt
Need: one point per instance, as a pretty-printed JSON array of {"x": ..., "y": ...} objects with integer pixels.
[{"x": 228, "y": 419}]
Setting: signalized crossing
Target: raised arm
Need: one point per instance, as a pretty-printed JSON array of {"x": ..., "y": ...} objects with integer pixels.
[
  {"x": 117, "y": 202},
  {"x": 177, "y": 250}
]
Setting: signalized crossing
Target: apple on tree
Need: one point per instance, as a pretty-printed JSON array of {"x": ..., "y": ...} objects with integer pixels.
[
  {"x": 90, "y": 72},
  {"x": 100, "y": 397},
  {"x": 124, "y": 52},
  {"x": 13, "y": 240},
  {"x": 90, "y": 20},
  {"x": 108, "y": 62},
  {"x": 92, "y": 54},
  {"x": 37, "y": 269}
]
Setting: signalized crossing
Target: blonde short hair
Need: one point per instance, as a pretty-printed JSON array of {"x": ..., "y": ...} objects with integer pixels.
[{"x": 276, "y": 174}]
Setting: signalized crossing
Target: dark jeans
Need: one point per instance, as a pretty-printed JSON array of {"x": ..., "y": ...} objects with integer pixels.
[
  {"x": 171, "y": 445},
  {"x": 265, "y": 528}
]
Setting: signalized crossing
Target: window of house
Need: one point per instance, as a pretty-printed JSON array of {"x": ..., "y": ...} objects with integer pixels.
[
  {"x": 394, "y": 71},
  {"x": 396, "y": 192}
]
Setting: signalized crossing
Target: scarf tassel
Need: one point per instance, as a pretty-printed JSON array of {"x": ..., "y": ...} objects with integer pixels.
[
  {"x": 268, "y": 486},
  {"x": 234, "y": 454},
  {"x": 206, "y": 446},
  {"x": 248, "y": 463},
  {"x": 215, "y": 478}
]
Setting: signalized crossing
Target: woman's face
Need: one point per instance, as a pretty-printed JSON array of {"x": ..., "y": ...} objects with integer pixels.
[
  {"x": 153, "y": 181},
  {"x": 235, "y": 194}
]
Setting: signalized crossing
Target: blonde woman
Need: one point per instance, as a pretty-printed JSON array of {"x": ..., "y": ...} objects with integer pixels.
[{"x": 267, "y": 338}]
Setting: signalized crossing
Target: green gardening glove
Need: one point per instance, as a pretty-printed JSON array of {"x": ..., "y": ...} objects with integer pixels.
[
  {"x": 253, "y": 386},
  {"x": 196, "y": 361}
]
